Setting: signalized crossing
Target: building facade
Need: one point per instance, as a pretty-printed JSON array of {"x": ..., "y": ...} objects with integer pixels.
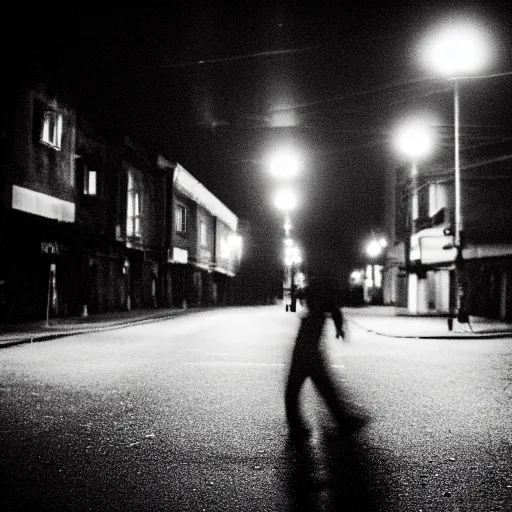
[
  {"x": 95, "y": 221},
  {"x": 38, "y": 201},
  {"x": 420, "y": 271},
  {"x": 205, "y": 250}
]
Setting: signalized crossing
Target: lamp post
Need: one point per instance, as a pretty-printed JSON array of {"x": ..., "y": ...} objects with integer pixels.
[
  {"x": 286, "y": 201},
  {"x": 374, "y": 249},
  {"x": 457, "y": 49},
  {"x": 285, "y": 165},
  {"x": 292, "y": 259},
  {"x": 414, "y": 139}
]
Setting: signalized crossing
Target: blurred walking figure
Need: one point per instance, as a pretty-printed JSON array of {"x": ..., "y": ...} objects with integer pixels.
[{"x": 308, "y": 360}]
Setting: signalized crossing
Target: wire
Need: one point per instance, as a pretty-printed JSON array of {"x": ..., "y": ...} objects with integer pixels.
[{"x": 270, "y": 53}]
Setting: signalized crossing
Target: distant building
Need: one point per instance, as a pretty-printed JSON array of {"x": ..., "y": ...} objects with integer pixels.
[{"x": 205, "y": 247}]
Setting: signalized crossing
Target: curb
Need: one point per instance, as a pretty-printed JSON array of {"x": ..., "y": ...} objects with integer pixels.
[
  {"x": 36, "y": 338},
  {"x": 462, "y": 336}
]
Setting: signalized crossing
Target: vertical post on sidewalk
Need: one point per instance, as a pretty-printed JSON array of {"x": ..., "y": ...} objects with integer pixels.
[
  {"x": 293, "y": 306},
  {"x": 48, "y": 299}
]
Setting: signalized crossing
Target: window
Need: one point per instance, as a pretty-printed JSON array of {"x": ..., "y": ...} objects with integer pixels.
[
  {"x": 181, "y": 219},
  {"x": 134, "y": 208},
  {"x": 202, "y": 232},
  {"x": 415, "y": 206},
  {"x": 51, "y": 134},
  {"x": 90, "y": 178}
]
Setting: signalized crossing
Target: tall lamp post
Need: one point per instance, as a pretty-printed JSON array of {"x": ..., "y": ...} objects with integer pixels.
[
  {"x": 292, "y": 259},
  {"x": 284, "y": 165},
  {"x": 286, "y": 201},
  {"x": 457, "y": 49},
  {"x": 414, "y": 139},
  {"x": 374, "y": 249}
]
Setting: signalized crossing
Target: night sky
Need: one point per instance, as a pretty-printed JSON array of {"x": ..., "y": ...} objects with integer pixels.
[{"x": 221, "y": 86}]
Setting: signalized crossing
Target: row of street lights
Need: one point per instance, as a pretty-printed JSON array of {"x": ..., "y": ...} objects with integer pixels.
[
  {"x": 458, "y": 49},
  {"x": 284, "y": 166}
]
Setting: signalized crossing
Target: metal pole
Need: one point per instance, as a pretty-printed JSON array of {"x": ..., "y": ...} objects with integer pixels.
[
  {"x": 285, "y": 285},
  {"x": 293, "y": 306},
  {"x": 458, "y": 220},
  {"x": 372, "y": 298},
  {"x": 462, "y": 316},
  {"x": 48, "y": 298},
  {"x": 414, "y": 187}
]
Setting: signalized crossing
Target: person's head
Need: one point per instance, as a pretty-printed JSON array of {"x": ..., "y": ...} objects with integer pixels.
[{"x": 321, "y": 292}]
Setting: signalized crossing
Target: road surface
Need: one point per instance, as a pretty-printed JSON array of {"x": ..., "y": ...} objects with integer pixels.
[{"x": 187, "y": 414}]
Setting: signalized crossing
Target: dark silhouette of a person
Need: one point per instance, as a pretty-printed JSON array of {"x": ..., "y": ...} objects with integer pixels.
[{"x": 308, "y": 360}]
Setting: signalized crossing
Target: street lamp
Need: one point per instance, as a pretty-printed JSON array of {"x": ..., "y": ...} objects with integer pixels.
[
  {"x": 457, "y": 49},
  {"x": 292, "y": 258},
  {"x": 374, "y": 249},
  {"x": 284, "y": 164},
  {"x": 414, "y": 139},
  {"x": 285, "y": 200}
]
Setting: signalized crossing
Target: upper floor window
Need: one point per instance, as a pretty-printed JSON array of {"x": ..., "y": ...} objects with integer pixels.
[
  {"x": 202, "y": 233},
  {"x": 134, "y": 207},
  {"x": 438, "y": 198},
  {"x": 51, "y": 133},
  {"x": 90, "y": 181},
  {"x": 181, "y": 219}
]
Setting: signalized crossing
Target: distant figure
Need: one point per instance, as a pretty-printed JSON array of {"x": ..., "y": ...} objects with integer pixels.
[{"x": 307, "y": 360}]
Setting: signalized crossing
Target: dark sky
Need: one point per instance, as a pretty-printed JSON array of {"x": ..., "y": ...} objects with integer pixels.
[{"x": 222, "y": 85}]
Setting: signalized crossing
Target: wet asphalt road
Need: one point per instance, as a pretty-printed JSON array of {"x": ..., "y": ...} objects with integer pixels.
[{"x": 187, "y": 414}]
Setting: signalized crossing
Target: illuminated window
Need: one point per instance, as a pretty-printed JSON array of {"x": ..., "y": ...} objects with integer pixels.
[
  {"x": 181, "y": 219},
  {"x": 51, "y": 133},
  {"x": 203, "y": 233},
  {"x": 224, "y": 249},
  {"x": 90, "y": 178},
  {"x": 134, "y": 208}
]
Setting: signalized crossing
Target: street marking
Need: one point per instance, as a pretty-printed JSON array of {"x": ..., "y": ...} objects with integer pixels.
[
  {"x": 218, "y": 354},
  {"x": 231, "y": 363}
]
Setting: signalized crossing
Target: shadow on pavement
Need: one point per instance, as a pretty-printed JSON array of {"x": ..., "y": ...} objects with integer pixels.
[{"x": 333, "y": 471}]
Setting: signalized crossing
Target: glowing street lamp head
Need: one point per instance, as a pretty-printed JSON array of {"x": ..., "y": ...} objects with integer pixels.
[
  {"x": 373, "y": 249},
  {"x": 284, "y": 165},
  {"x": 414, "y": 139},
  {"x": 292, "y": 255},
  {"x": 356, "y": 276},
  {"x": 285, "y": 200},
  {"x": 457, "y": 49}
]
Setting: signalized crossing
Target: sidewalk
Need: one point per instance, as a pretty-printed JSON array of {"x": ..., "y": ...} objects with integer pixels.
[
  {"x": 382, "y": 320},
  {"x": 392, "y": 321},
  {"x": 30, "y": 332}
]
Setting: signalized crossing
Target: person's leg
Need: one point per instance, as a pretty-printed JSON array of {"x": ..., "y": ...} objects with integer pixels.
[
  {"x": 324, "y": 382},
  {"x": 348, "y": 419},
  {"x": 296, "y": 377},
  {"x": 305, "y": 347}
]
